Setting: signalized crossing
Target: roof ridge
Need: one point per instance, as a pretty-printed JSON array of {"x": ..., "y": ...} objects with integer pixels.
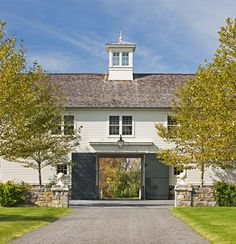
[{"x": 75, "y": 73}]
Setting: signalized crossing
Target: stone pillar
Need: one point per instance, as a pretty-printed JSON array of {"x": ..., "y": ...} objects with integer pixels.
[
  {"x": 60, "y": 197},
  {"x": 183, "y": 196}
]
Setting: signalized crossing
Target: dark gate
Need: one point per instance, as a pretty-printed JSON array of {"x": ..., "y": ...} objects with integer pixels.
[
  {"x": 84, "y": 174},
  {"x": 156, "y": 178}
]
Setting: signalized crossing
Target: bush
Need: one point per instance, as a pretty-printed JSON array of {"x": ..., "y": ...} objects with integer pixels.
[
  {"x": 12, "y": 193},
  {"x": 225, "y": 194}
]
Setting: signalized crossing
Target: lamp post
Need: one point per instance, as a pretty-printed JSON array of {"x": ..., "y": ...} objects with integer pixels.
[{"x": 121, "y": 142}]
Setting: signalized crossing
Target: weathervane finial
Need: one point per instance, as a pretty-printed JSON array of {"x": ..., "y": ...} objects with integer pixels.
[{"x": 120, "y": 37}]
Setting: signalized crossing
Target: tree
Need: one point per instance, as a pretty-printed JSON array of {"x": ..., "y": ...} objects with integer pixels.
[
  {"x": 205, "y": 115},
  {"x": 120, "y": 177},
  {"x": 13, "y": 84},
  {"x": 31, "y": 107}
]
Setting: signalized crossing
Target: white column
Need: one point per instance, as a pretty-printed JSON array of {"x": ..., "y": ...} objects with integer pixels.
[
  {"x": 130, "y": 59},
  {"x": 110, "y": 58}
]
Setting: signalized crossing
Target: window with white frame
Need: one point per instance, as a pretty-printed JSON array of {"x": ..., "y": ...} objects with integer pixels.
[
  {"x": 67, "y": 125},
  {"x": 116, "y": 59},
  {"x": 121, "y": 125},
  {"x": 127, "y": 125},
  {"x": 125, "y": 59},
  {"x": 62, "y": 168},
  {"x": 177, "y": 171},
  {"x": 171, "y": 122},
  {"x": 57, "y": 129},
  {"x": 114, "y": 125},
  {"x": 69, "y": 121}
]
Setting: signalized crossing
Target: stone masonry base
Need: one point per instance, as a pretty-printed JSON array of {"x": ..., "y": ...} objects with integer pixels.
[
  {"x": 56, "y": 197},
  {"x": 191, "y": 196}
]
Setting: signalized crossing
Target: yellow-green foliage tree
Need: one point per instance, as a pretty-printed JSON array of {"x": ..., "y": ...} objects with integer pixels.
[
  {"x": 30, "y": 109},
  {"x": 205, "y": 112},
  {"x": 119, "y": 177}
]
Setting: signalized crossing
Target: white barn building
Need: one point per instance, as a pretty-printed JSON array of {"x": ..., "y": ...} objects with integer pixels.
[{"x": 107, "y": 106}]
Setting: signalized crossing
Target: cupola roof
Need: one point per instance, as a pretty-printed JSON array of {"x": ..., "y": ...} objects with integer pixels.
[{"x": 121, "y": 43}]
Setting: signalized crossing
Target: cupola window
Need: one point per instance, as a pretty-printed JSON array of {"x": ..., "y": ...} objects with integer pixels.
[
  {"x": 116, "y": 59},
  {"x": 125, "y": 59}
]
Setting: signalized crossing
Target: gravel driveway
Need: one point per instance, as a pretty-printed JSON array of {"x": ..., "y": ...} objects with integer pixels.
[{"x": 115, "y": 224}]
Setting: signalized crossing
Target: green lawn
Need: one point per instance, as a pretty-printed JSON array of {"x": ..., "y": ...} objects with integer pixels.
[
  {"x": 14, "y": 222},
  {"x": 216, "y": 224}
]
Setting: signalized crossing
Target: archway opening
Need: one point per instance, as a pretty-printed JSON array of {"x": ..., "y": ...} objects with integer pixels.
[{"x": 120, "y": 178}]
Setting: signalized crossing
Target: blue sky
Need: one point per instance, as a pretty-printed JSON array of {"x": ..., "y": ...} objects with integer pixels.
[{"x": 172, "y": 36}]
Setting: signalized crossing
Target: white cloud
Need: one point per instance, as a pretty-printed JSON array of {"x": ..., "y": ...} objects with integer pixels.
[
  {"x": 172, "y": 34},
  {"x": 188, "y": 28},
  {"x": 53, "y": 62},
  {"x": 154, "y": 62},
  {"x": 84, "y": 42}
]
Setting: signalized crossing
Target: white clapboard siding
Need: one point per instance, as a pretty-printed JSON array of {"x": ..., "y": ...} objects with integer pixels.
[
  {"x": 95, "y": 128},
  {"x": 211, "y": 175},
  {"x": 15, "y": 171}
]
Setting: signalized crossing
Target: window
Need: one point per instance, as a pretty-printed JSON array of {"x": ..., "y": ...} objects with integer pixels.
[
  {"x": 126, "y": 125},
  {"x": 171, "y": 121},
  {"x": 121, "y": 125},
  {"x": 57, "y": 129},
  {"x": 62, "y": 168},
  {"x": 177, "y": 171},
  {"x": 68, "y": 124},
  {"x": 116, "y": 59},
  {"x": 114, "y": 128},
  {"x": 125, "y": 59}
]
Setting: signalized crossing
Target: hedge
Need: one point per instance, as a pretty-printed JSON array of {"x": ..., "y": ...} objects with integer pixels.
[
  {"x": 225, "y": 194},
  {"x": 12, "y": 193}
]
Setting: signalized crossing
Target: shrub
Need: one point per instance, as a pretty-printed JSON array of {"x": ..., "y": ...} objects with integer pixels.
[
  {"x": 225, "y": 194},
  {"x": 12, "y": 193}
]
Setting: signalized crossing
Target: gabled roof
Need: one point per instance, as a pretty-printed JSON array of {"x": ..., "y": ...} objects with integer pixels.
[{"x": 96, "y": 91}]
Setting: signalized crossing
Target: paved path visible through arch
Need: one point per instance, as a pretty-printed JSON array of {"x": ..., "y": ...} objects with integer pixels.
[{"x": 144, "y": 222}]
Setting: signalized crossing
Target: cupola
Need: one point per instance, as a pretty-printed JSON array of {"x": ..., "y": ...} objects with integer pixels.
[{"x": 120, "y": 59}]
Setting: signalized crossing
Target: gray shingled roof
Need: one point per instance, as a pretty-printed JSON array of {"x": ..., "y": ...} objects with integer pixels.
[{"x": 96, "y": 91}]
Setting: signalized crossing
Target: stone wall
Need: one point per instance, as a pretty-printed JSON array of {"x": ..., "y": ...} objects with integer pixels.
[
  {"x": 55, "y": 197},
  {"x": 191, "y": 196}
]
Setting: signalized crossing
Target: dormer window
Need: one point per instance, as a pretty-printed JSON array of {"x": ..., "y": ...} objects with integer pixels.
[
  {"x": 116, "y": 59},
  {"x": 125, "y": 59}
]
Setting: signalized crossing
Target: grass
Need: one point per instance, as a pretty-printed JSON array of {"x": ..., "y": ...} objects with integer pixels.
[
  {"x": 216, "y": 224},
  {"x": 14, "y": 222}
]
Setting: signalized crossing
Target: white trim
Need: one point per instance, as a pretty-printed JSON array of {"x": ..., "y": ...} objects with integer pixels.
[{"x": 102, "y": 143}]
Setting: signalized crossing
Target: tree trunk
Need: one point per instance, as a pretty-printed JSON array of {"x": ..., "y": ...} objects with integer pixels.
[
  {"x": 40, "y": 176},
  {"x": 202, "y": 174}
]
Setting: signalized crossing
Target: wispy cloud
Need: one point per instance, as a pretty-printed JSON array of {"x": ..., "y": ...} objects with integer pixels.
[
  {"x": 53, "y": 62},
  {"x": 187, "y": 29},
  {"x": 92, "y": 45},
  {"x": 171, "y": 36},
  {"x": 154, "y": 61}
]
